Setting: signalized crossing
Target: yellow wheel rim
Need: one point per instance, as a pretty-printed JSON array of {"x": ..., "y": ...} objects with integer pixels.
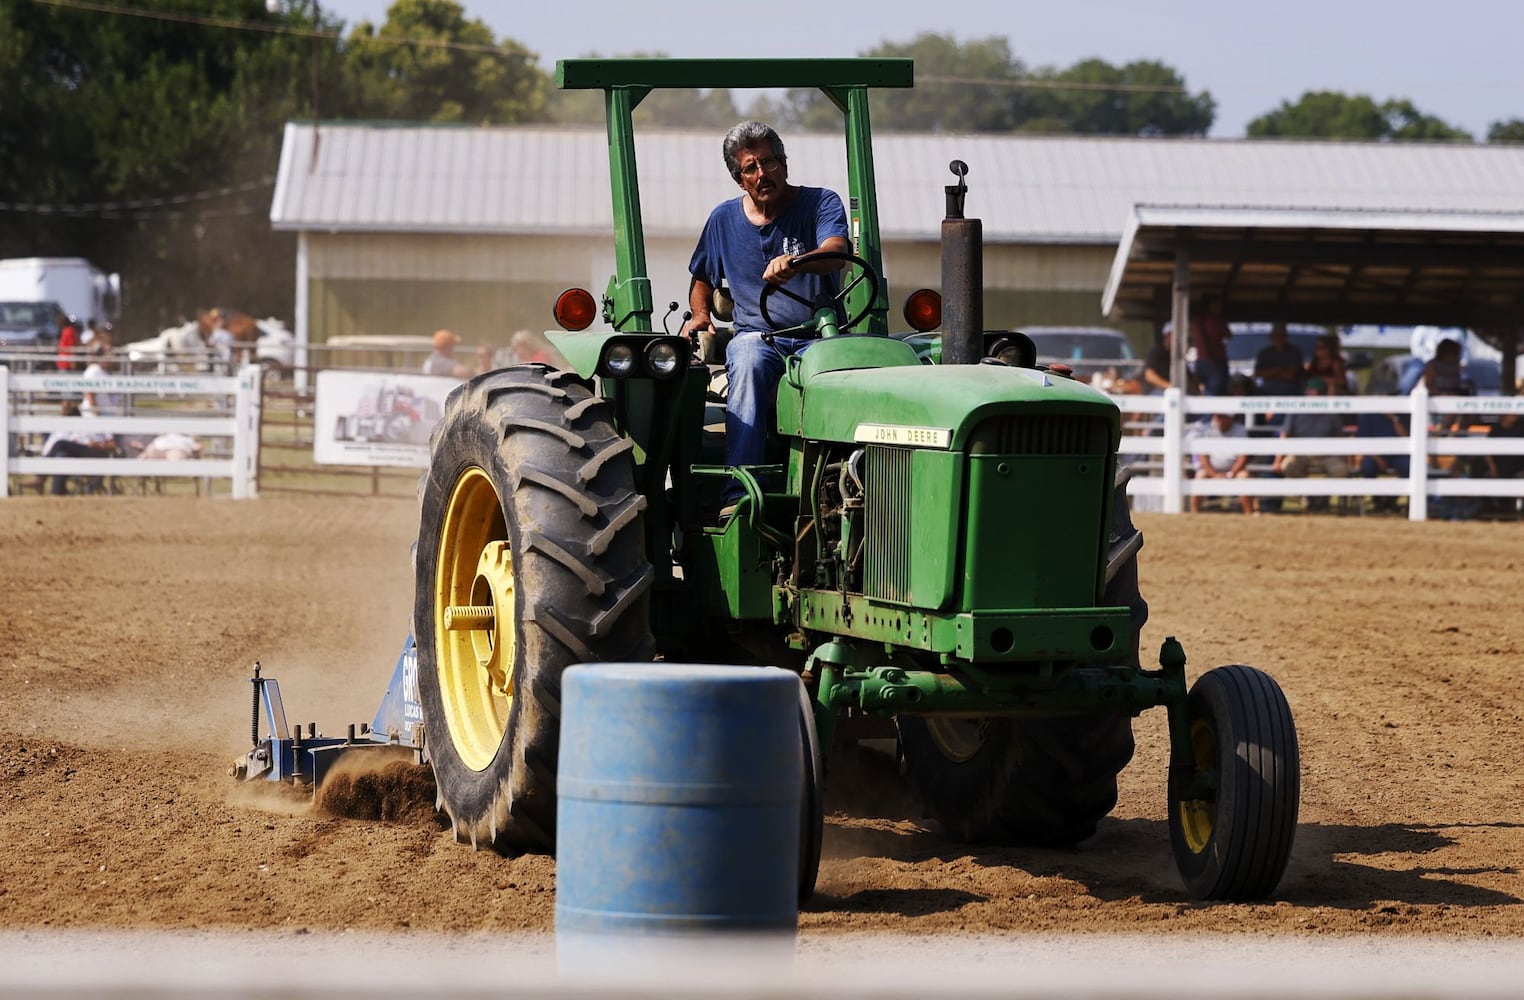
[
  {"x": 1198, "y": 816},
  {"x": 474, "y": 634},
  {"x": 957, "y": 739}
]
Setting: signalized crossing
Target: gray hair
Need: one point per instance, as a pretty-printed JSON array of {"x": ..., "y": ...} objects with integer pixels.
[{"x": 745, "y": 136}]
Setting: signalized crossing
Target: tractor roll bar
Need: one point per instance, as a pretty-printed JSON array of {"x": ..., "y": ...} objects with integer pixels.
[{"x": 740, "y": 74}]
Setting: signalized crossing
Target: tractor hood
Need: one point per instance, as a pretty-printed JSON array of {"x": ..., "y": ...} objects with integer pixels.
[{"x": 928, "y": 405}]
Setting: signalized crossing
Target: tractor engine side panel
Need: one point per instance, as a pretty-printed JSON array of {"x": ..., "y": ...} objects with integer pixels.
[{"x": 912, "y": 505}]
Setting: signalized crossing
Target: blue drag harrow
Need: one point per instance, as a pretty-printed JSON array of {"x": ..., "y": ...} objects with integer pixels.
[{"x": 285, "y": 753}]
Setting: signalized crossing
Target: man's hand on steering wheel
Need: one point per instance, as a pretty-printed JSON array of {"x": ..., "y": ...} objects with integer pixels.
[
  {"x": 780, "y": 269},
  {"x": 787, "y": 267}
]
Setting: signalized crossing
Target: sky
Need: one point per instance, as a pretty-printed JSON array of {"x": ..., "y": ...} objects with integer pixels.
[{"x": 1459, "y": 60}]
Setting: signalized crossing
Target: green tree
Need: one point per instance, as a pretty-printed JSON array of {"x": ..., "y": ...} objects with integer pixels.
[
  {"x": 979, "y": 86},
  {"x": 1328, "y": 114},
  {"x": 1406, "y": 122},
  {"x": 428, "y": 63},
  {"x": 959, "y": 87},
  {"x": 676, "y": 108},
  {"x": 121, "y": 135},
  {"x": 1093, "y": 97},
  {"x": 1506, "y": 131},
  {"x": 148, "y": 142}
]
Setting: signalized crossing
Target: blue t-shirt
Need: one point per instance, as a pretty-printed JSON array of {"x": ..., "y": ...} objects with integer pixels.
[{"x": 730, "y": 247}]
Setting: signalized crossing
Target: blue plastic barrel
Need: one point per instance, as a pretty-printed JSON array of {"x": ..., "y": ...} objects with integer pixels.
[{"x": 679, "y": 800}]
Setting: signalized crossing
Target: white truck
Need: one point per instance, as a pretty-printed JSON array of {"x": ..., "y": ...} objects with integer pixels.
[{"x": 29, "y": 286}]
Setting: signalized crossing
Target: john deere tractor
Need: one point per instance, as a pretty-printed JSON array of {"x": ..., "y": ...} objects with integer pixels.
[{"x": 942, "y": 551}]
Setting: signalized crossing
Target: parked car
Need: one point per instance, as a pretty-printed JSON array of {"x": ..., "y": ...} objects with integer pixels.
[
  {"x": 1087, "y": 350},
  {"x": 28, "y": 324},
  {"x": 1397, "y": 374}
]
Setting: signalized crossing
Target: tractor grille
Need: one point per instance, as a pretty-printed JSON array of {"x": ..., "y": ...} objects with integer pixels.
[
  {"x": 886, "y": 556},
  {"x": 1041, "y": 434},
  {"x": 890, "y": 570}
]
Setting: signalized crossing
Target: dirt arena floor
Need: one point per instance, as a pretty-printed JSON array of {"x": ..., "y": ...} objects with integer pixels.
[{"x": 128, "y": 629}]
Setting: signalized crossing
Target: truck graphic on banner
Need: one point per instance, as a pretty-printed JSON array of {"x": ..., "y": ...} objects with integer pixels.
[{"x": 366, "y": 418}]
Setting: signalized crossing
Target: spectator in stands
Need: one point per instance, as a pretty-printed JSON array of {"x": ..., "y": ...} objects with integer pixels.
[
  {"x": 1509, "y": 425},
  {"x": 75, "y": 445},
  {"x": 221, "y": 341},
  {"x": 1327, "y": 363},
  {"x": 531, "y": 348},
  {"x": 68, "y": 341},
  {"x": 1445, "y": 375},
  {"x": 1313, "y": 424},
  {"x": 1383, "y": 425},
  {"x": 172, "y": 446},
  {"x": 1222, "y": 426},
  {"x": 1209, "y": 335},
  {"x": 101, "y": 363},
  {"x": 443, "y": 360},
  {"x": 1279, "y": 365},
  {"x": 1156, "y": 364}
]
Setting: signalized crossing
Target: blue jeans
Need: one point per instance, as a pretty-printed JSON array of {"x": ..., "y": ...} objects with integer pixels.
[
  {"x": 752, "y": 370},
  {"x": 1213, "y": 376}
]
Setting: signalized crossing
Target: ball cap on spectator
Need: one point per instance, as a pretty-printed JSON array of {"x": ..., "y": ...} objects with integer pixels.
[{"x": 443, "y": 339}]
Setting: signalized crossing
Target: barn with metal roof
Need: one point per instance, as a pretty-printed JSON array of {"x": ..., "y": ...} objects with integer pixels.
[{"x": 405, "y": 228}]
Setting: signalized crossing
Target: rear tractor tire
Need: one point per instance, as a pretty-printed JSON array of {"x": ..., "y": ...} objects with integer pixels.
[
  {"x": 531, "y": 558},
  {"x": 1045, "y": 782},
  {"x": 1232, "y": 815}
]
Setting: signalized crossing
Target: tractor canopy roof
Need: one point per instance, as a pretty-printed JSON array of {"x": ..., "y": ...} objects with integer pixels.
[{"x": 627, "y": 303}]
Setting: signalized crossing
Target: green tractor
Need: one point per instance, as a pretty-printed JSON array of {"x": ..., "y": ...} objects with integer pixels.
[{"x": 942, "y": 551}]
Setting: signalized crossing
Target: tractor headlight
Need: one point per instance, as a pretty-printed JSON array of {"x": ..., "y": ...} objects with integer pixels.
[
  {"x": 1010, "y": 347},
  {"x": 663, "y": 359},
  {"x": 1010, "y": 354},
  {"x": 619, "y": 360}
]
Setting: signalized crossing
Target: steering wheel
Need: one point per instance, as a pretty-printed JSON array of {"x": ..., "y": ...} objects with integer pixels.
[{"x": 865, "y": 273}]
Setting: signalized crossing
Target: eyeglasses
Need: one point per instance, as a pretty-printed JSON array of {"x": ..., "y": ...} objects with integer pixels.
[{"x": 768, "y": 163}]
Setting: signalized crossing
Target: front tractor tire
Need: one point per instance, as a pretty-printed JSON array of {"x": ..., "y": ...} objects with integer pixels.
[
  {"x": 531, "y": 558},
  {"x": 1233, "y": 811}
]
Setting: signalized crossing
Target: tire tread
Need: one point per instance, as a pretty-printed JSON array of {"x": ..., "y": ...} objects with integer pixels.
[{"x": 566, "y": 482}]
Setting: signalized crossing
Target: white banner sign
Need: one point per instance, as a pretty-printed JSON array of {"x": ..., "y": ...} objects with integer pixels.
[{"x": 377, "y": 418}]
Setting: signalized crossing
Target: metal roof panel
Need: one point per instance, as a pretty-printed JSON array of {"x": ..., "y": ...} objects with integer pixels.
[{"x": 1026, "y": 189}]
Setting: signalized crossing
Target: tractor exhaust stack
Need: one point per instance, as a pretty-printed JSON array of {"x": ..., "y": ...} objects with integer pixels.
[{"x": 962, "y": 277}]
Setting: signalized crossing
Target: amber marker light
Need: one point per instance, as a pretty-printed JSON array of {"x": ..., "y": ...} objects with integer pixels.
[
  {"x": 575, "y": 309},
  {"x": 923, "y": 310}
]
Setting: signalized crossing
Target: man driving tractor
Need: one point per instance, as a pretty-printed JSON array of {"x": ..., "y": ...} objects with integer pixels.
[{"x": 751, "y": 242}]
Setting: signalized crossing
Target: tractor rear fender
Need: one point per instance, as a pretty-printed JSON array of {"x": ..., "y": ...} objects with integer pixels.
[{"x": 581, "y": 350}]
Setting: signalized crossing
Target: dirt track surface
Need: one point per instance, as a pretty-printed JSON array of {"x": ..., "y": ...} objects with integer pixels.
[{"x": 129, "y": 628}]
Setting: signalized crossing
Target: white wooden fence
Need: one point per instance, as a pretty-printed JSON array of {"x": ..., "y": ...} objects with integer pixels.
[
  {"x": 25, "y": 400},
  {"x": 1162, "y": 438},
  {"x": 1155, "y": 438}
]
